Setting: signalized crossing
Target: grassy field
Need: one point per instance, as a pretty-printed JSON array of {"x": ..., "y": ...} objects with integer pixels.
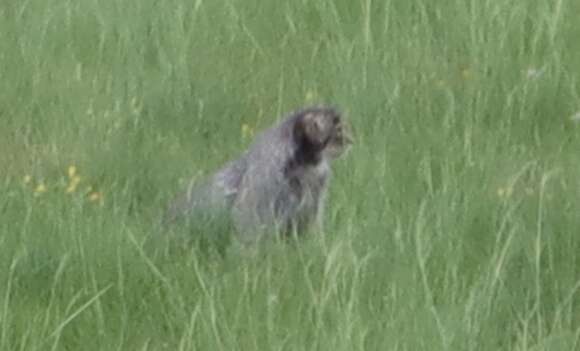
[{"x": 453, "y": 224}]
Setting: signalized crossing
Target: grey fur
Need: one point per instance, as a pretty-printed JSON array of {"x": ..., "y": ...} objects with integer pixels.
[
  {"x": 279, "y": 184},
  {"x": 212, "y": 197}
]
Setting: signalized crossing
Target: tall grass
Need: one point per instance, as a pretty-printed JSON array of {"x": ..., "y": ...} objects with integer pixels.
[{"x": 452, "y": 225}]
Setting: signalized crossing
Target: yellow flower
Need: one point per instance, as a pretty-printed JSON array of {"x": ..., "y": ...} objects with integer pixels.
[
  {"x": 247, "y": 131},
  {"x": 27, "y": 179},
  {"x": 72, "y": 171},
  {"x": 72, "y": 186},
  {"x": 40, "y": 188},
  {"x": 96, "y": 196}
]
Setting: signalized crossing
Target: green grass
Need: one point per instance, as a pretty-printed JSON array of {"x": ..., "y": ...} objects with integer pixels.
[{"x": 452, "y": 225}]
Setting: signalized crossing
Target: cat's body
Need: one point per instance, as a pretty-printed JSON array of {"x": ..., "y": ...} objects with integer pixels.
[{"x": 279, "y": 184}]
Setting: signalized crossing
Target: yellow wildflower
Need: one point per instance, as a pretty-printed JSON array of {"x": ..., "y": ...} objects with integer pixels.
[
  {"x": 74, "y": 182},
  {"x": 96, "y": 196},
  {"x": 72, "y": 171},
  {"x": 40, "y": 188},
  {"x": 27, "y": 179}
]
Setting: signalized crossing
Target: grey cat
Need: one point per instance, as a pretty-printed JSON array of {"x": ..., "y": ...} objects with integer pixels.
[{"x": 279, "y": 184}]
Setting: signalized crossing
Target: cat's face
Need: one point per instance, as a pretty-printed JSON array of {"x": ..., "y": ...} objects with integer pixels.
[{"x": 326, "y": 129}]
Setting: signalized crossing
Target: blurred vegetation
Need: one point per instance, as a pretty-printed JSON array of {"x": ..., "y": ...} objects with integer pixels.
[{"x": 452, "y": 224}]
